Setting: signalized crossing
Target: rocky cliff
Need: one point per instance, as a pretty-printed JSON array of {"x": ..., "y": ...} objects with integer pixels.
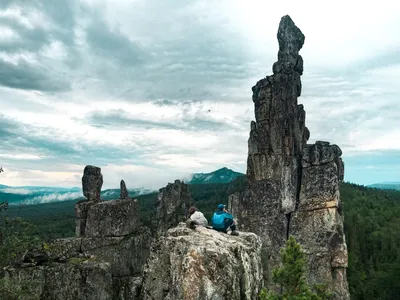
[
  {"x": 173, "y": 203},
  {"x": 293, "y": 187},
  {"x": 104, "y": 261},
  {"x": 203, "y": 264}
]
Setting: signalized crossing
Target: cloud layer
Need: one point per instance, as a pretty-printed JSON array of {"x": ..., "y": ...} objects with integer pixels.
[{"x": 151, "y": 91}]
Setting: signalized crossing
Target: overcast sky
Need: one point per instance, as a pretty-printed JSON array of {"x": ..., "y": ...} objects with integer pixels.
[{"x": 153, "y": 90}]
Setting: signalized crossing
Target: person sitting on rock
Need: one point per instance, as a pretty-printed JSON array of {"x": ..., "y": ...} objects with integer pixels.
[
  {"x": 222, "y": 220},
  {"x": 196, "y": 218}
]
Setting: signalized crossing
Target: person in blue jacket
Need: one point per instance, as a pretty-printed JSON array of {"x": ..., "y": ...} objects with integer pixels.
[{"x": 222, "y": 220}]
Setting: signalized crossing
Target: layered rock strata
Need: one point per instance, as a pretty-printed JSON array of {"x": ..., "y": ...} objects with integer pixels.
[{"x": 293, "y": 188}]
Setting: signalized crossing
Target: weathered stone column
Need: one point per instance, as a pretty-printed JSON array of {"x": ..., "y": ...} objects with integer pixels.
[
  {"x": 92, "y": 181},
  {"x": 124, "y": 191},
  {"x": 291, "y": 185}
]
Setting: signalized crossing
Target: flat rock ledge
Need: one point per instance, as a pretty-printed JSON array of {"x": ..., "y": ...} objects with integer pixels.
[{"x": 203, "y": 264}]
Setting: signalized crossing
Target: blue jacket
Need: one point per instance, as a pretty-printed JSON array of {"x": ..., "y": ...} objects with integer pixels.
[{"x": 218, "y": 219}]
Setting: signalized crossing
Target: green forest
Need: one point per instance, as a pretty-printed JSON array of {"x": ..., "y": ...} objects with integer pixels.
[{"x": 372, "y": 227}]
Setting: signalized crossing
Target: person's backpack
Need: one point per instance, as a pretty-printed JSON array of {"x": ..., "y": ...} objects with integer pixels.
[{"x": 218, "y": 220}]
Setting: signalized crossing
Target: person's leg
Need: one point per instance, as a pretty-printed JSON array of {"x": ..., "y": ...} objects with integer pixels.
[
  {"x": 190, "y": 223},
  {"x": 230, "y": 223}
]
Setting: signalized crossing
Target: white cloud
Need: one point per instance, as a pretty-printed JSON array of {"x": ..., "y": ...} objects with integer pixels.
[
  {"x": 153, "y": 91},
  {"x": 16, "y": 191}
]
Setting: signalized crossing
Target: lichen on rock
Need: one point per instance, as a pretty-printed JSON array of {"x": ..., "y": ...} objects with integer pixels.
[{"x": 203, "y": 264}]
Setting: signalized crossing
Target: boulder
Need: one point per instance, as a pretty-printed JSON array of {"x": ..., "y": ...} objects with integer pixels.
[
  {"x": 203, "y": 264},
  {"x": 92, "y": 181}
]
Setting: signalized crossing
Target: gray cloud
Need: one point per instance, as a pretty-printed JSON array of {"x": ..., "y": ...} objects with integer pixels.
[
  {"x": 18, "y": 139},
  {"x": 28, "y": 77},
  {"x": 121, "y": 119},
  {"x": 176, "y": 57},
  {"x": 113, "y": 45},
  {"x": 58, "y": 18}
]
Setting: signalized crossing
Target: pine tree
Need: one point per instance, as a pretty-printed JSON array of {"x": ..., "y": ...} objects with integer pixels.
[{"x": 291, "y": 277}]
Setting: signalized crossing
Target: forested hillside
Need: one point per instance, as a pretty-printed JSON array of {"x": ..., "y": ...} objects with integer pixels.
[{"x": 372, "y": 226}]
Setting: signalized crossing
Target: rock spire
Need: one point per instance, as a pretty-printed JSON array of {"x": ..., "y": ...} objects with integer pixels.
[
  {"x": 293, "y": 187},
  {"x": 92, "y": 181},
  {"x": 124, "y": 191}
]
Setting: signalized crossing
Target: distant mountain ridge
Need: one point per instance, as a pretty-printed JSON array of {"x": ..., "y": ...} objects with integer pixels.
[
  {"x": 31, "y": 195},
  {"x": 223, "y": 175},
  {"x": 386, "y": 186}
]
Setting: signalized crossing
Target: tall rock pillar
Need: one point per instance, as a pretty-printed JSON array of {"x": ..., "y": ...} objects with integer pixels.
[
  {"x": 277, "y": 138},
  {"x": 284, "y": 174}
]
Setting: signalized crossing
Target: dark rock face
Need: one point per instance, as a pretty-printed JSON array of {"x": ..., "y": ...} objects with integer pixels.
[
  {"x": 81, "y": 211},
  {"x": 293, "y": 188},
  {"x": 127, "y": 288},
  {"x": 89, "y": 281},
  {"x": 173, "y": 203},
  {"x": 124, "y": 192},
  {"x": 112, "y": 218},
  {"x": 92, "y": 182}
]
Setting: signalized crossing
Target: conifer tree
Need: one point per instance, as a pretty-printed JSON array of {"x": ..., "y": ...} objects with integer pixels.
[{"x": 291, "y": 277}]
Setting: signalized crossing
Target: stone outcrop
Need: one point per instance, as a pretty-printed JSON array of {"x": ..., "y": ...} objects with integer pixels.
[
  {"x": 112, "y": 218},
  {"x": 92, "y": 181},
  {"x": 124, "y": 192},
  {"x": 293, "y": 188},
  {"x": 173, "y": 203},
  {"x": 203, "y": 264},
  {"x": 87, "y": 280},
  {"x": 110, "y": 249},
  {"x": 106, "y": 258},
  {"x": 317, "y": 224}
]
